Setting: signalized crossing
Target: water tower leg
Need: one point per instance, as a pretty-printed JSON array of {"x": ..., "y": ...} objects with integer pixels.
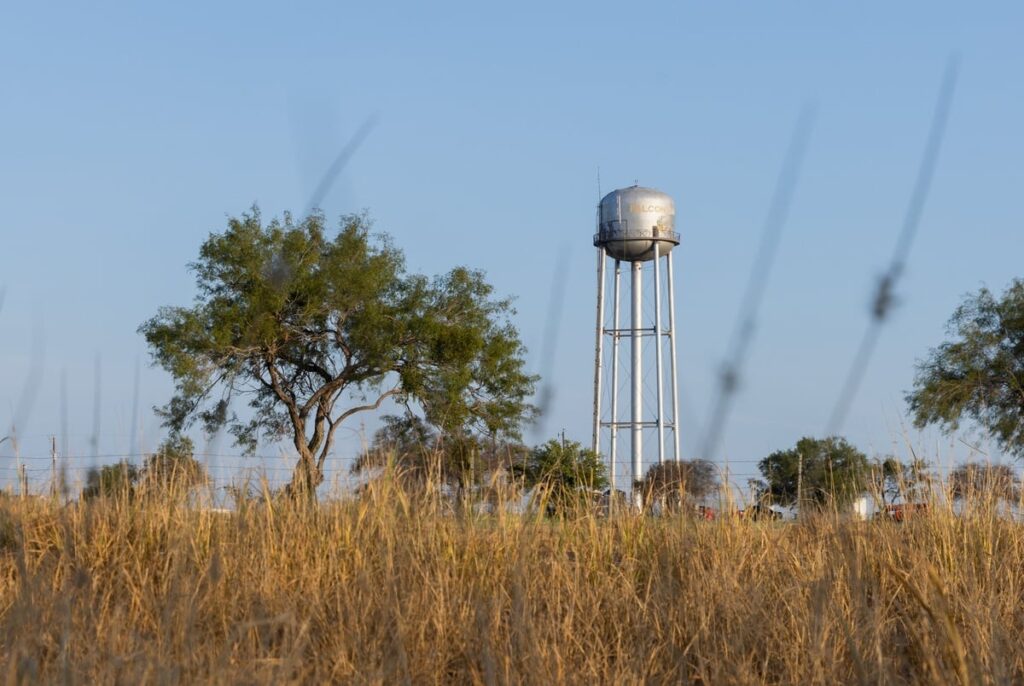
[
  {"x": 637, "y": 379},
  {"x": 614, "y": 432},
  {"x": 598, "y": 351},
  {"x": 672, "y": 358},
  {"x": 657, "y": 349}
]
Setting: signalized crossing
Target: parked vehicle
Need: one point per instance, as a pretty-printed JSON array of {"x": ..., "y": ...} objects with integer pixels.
[
  {"x": 899, "y": 512},
  {"x": 758, "y": 513},
  {"x": 706, "y": 513}
]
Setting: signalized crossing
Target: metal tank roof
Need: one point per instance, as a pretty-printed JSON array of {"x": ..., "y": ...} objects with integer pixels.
[{"x": 632, "y": 221}]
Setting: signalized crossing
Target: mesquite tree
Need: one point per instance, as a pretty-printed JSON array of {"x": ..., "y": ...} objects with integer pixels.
[
  {"x": 816, "y": 472},
  {"x": 311, "y": 327},
  {"x": 979, "y": 375}
]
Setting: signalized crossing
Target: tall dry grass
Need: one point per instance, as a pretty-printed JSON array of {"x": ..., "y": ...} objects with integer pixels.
[{"x": 392, "y": 588}]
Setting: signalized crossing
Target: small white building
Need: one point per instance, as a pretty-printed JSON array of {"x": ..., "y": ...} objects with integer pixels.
[{"x": 861, "y": 508}]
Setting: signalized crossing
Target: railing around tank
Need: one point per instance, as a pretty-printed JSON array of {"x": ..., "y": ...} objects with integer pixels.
[{"x": 636, "y": 235}]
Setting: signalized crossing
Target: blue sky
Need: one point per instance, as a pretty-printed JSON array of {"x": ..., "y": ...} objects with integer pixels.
[{"x": 129, "y": 132}]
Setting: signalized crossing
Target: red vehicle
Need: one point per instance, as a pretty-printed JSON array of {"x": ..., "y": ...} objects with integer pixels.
[
  {"x": 899, "y": 512},
  {"x": 706, "y": 513}
]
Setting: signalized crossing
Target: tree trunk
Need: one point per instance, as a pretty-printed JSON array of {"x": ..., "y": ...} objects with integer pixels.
[{"x": 306, "y": 478}]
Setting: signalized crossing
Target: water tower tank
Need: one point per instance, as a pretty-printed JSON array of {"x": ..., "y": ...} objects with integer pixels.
[{"x": 631, "y": 221}]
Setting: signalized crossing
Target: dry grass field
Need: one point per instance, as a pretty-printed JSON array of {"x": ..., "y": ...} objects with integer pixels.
[{"x": 394, "y": 589}]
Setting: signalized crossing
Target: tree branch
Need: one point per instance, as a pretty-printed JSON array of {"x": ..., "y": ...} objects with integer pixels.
[
  {"x": 345, "y": 415},
  {"x": 298, "y": 420}
]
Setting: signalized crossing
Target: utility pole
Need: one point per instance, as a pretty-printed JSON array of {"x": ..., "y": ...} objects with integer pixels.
[
  {"x": 727, "y": 505},
  {"x": 799, "y": 483},
  {"x": 53, "y": 467}
]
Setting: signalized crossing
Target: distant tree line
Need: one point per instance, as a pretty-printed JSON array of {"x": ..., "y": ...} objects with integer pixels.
[
  {"x": 310, "y": 325},
  {"x": 173, "y": 468}
]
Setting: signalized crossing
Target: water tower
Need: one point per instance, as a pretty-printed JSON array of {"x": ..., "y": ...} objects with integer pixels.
[{"x": 636, "y": 225}]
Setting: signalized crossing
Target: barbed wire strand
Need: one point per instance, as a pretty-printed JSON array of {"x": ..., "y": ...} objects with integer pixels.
[
  {"x": 746, "y": 323},
  {"x": 339, "y": 163},
  {"x": 883, "y": 299}
]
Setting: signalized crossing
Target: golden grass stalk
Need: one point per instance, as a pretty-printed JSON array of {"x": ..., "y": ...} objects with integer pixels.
[{"x": 399, "y": 585}]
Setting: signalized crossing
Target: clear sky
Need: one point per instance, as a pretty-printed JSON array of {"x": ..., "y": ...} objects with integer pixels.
[{"x": 129, "y": 132}]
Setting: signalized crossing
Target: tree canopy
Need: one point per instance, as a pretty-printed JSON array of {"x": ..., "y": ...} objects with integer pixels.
[
  {"x": 567, "y": 471},
  {"x": 892, "y": 478},
  {"x": 980, "y": 480},
  {"x": 111, "y": 480},
  {"x": 172, "y": 468},
  {"x": 419, "y": 452},
  {"x": 816, "y": 471},
  {"x": 311, "y": 326},
  {"x": 979, "y": 374},
  {"x": 676, "y": 483}
]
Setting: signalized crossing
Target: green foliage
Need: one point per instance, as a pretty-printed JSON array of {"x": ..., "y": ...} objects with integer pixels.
[
  {"x": 111, "y": 481},
  {"x": 981, "y": 480},
  {"x": 679, "y": 483},
  {"x": 171, "y": 468},
  {"x": 406, "y": 441},
  {"x": 980, "y": 374},
  {"x": 833, "y": 472},
  {"x": 892, "y": 479},
  {"x": 311, "y": 327},
  {"x": 174, "y": 467},
  {"x": 8, "y": 532},
  {"x": 566, "y": 471},
  {"x": 420, "y": 453}
]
